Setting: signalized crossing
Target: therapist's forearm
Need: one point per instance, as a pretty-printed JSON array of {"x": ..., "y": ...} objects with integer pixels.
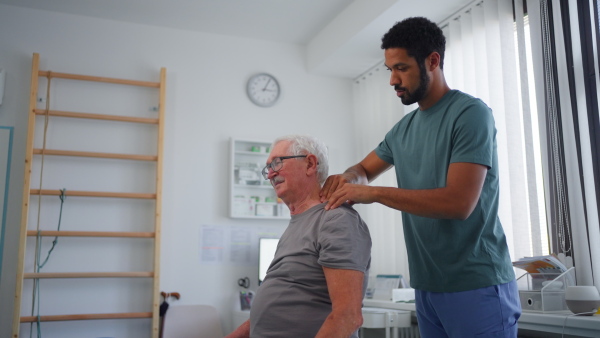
[
  {"x": 433, "y": 203},
  {"x": 356, "y": 174}
]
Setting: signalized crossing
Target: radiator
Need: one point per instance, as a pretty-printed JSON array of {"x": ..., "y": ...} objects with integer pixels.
[
  {"x": 409, "y": 332},
  {"x": 403, "y": 332}
]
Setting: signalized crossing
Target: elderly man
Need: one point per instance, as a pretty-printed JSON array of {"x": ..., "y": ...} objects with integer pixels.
[{"x": 315, "y": 285}]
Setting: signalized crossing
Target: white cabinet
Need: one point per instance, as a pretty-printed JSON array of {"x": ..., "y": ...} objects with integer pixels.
[{"x": 251, "y": 196}]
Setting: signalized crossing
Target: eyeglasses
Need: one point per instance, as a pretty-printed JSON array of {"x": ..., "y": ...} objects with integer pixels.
[{"x": 276, "y": 164}]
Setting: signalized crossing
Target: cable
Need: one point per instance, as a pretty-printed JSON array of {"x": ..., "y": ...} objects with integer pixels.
[
  {"x": 38, "y": 242},
  {"x": 38, "y": 239},
  {"x": 575, "y": 314},
  {"x": 62, "y": 197},
  {"x": 36, "y": 286}
]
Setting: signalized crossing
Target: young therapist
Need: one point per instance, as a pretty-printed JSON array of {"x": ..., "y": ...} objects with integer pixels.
[{"x": 444, "y": 154}]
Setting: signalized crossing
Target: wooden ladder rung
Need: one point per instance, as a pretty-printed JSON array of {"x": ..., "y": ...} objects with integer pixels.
[
  {"x": 99, "y": 79},
  {"x": 60, "y": 318},
  {"x": 38, "y": 151},
  {"x": 92, "y": 194},
  {"x": 44, "y": 275},
  {"x": 96, "y": 116},
  {"x": 52, "y": 233}
]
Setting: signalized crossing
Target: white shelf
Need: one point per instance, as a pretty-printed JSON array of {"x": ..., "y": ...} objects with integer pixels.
[
  {"x": 246, "y": 165},
  {"x": 252, "y": 153}
]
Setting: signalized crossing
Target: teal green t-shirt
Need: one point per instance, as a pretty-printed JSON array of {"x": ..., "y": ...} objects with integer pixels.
[{"x": 449, "y": 255}]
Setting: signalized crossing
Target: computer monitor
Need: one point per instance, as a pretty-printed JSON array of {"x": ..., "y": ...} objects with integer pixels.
[{"x": 266, "y": 252}]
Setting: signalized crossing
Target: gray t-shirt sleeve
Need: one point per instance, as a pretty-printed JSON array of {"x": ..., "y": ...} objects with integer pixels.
[{"x": 344, "y": 241}]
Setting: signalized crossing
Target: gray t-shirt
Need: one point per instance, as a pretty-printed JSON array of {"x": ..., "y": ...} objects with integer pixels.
[{"x": 293, "y": 300}]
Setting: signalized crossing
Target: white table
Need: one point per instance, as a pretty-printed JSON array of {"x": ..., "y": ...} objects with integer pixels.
[
  {"x": 587, "y": 326},
  {"x": 385, "y": 318}
]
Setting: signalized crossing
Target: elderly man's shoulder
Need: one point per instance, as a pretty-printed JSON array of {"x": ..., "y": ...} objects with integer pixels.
[
  {"x": 343, "y": 210},
  {"x": 345, "y": 219}
]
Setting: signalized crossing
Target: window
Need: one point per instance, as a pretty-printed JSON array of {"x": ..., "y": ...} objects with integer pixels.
[
  {"x": 563, "y": 35},
  {"x": 528, "y": 111}
]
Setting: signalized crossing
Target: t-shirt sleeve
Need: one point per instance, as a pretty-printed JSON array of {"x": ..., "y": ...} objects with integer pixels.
[
  {"x": 473, "y": 136},
  {"x": 384, "y": 151},
  {"x": 344, "y": 241}
]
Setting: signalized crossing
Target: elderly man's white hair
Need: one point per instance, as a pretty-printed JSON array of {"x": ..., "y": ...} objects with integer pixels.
[{"x": 306, "y": 144}]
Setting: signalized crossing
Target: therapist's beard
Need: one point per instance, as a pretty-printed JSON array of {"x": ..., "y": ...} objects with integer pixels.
[{"x": 409, "y": 98}]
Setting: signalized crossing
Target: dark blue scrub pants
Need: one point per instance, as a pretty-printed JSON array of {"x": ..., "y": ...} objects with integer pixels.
[{"x": 490, "y": 312}]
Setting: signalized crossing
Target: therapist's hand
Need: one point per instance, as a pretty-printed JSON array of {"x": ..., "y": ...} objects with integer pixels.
[
  {"x": 351, "y": 193},
  {"x": 333, "y": 183},
  {"x": 356, "y": 176}
]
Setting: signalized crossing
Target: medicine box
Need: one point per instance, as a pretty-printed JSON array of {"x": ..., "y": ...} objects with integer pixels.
[
  {"x": 545, "y": 292},
  {"x": 243, "y": 206},
  {"x": 266, "y": 209}
]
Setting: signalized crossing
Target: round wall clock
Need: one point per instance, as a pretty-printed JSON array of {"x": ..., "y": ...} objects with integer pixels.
[{"x": 263, "y": 89}]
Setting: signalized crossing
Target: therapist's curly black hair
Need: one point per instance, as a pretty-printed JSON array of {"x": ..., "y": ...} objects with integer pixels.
[{"x": 419, "y": 36}]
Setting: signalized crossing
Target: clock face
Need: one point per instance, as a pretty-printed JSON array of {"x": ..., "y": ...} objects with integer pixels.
[{"x": 263, "y": 90}]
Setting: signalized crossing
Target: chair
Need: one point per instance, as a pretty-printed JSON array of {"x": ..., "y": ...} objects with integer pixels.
[{"x": 192, "y": 321}]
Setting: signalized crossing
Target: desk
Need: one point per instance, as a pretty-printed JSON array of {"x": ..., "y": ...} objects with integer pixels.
[
  {"x": 587, "y": 326},
  {"x": 373, "y": 318}
]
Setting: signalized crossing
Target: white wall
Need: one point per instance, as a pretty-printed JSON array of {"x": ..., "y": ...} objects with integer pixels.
[{"x": 206, "y": 105}]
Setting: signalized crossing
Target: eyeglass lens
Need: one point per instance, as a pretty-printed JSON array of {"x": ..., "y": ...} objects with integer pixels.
[{"x": 275, "y": 166}]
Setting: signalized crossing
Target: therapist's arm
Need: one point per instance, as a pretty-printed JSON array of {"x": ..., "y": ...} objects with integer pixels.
[
  {"x": 456, "y": 200},
  {"x": 243, "y": 331},
  {"x": 346, "y": 292}
]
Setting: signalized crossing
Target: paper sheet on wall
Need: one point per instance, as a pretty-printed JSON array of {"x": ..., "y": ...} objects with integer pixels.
[
  {"x": 241, "y": 246},
  {"x": 212, "y": 244}
]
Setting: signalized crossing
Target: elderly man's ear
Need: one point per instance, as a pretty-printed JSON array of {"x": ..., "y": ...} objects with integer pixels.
[{"x": 311, "y": 164}]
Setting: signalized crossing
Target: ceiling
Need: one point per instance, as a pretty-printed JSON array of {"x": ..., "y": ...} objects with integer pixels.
[{"x": 341, "y": 36}]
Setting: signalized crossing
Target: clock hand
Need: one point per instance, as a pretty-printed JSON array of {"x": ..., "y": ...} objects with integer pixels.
[{"x": 266, "y": 84}]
